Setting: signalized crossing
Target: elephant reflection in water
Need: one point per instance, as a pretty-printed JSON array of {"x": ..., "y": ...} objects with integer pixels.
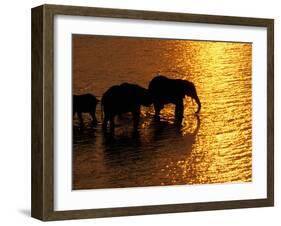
[
  {"x": 121, "y": 99},
  {"x": 164, "y": 90}
]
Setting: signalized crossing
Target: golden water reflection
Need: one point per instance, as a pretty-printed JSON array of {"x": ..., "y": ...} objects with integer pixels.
[{"x": 214, "y": 147}]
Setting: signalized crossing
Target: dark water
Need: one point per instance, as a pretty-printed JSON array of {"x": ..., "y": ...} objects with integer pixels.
[{"x": 213, "y": 147}]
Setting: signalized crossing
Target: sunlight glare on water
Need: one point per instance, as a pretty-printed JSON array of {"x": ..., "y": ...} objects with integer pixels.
[{"x": 213, "y": 147}]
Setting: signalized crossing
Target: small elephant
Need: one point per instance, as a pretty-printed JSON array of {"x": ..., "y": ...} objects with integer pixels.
[
  {"x": 164, "y": 90},
  {"x": 85, "y": 103},
  {"x": 122, "y": 99}
]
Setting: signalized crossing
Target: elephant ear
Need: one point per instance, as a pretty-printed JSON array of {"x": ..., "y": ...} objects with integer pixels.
[{"x": 189, "y": 88}]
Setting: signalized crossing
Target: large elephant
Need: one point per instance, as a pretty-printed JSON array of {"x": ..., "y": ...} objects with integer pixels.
[
  {"x": 164, "y": 90},
  {"x": 85, "y": 103},
  {"x": 121, "y": 99}
]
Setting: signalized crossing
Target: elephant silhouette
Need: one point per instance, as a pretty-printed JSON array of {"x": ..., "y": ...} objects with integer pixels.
[
  {"x": 163, "y": 90},
  {"x": 122, "y": 99},
  {"x": 85, "y": 103}
]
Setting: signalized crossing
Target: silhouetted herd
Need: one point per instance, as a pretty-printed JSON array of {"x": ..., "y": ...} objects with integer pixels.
[{"x": 127, "y": 97}]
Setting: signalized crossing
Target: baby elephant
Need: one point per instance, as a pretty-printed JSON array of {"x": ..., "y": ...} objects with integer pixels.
[
  {"x": 121, "y": 99},
  {"x": 85, "y": 103}
]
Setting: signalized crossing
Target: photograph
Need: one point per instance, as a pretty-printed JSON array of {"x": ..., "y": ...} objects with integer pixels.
[{"x": 159, "y": 112}]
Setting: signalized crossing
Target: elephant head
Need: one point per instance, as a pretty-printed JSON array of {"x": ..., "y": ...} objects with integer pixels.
[{"x": 190, "y": 90}]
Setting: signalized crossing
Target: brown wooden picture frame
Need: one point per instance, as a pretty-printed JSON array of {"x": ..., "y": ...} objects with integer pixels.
[{"x": 42, "y": 203}]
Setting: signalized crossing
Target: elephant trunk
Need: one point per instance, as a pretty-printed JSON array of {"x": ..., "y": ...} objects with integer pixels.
[{"x": 196, "y": 98}]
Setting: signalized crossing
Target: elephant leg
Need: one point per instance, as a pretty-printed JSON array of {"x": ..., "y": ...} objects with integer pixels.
[
  {"x": 105, "y": 120},
  {"x": 157, "y": 109},
  {"x": 94, "y": 119},
  {"x": 136, "y": 116},
  {"x": 179, "y": 110},
  {"x": 80, "y": 119}
]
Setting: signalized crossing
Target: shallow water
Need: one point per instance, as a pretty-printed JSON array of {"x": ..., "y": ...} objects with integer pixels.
[{"x": 214, "y": 146}]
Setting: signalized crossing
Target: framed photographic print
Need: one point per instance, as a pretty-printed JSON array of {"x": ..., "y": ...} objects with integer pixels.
[{"x": 141, "y": 112}]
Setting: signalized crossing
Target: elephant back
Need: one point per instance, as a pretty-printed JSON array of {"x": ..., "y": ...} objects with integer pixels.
[
  {"x": 124, "y": 97},
  {"x": 164, "y": 89},
  {"x": 158, "y": 84}
]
